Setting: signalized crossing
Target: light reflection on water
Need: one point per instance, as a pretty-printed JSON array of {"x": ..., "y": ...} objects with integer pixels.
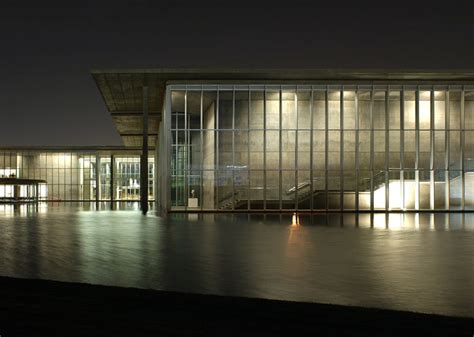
[{"x": 418, "y": 262}]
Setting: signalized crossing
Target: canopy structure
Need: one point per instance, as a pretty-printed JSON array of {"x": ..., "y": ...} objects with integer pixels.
[
  {"x": 122, "y": 89},
  {"x": 19, "y": 181},
  {"x": 14, "y": 189}
]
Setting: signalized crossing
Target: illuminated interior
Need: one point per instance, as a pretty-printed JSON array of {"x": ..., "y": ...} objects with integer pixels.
[
  {"x": 76, "y": 175},
  {"x": 289, "y": 147}
]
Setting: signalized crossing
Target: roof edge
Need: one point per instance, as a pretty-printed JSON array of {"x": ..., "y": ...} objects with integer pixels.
[{"x": 295, "y": 73}]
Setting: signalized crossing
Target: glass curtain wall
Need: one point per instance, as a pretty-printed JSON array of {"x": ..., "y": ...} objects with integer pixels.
[
  {"x": 331, "y": 147},
  {"x": 76, "y": 176}
]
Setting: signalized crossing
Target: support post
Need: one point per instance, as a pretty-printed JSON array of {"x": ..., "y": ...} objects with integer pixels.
[
  {"x": 387, "y": 152},
  {"x": 341, "y": 148},
  {"x": 97, "y": 181},
  {"x": 37, "y": 197},
  {"x": 357, "y": 155},
  {"x": 163, "y": 158},
  {"x": 112, "y": 178},
  {"x": 417, "y": 149},
  {"x": 372, "y": 150},
  {"x": 432, "y": 150},
  {"x": 144, "y": 156},
  {"x": 462, "y": 134},
  {"x": 447, "y": 182}
]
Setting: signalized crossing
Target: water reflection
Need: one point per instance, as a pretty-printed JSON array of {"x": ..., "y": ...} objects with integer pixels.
[
  {"x": 420, "y": 262},
  {"x": 388, "y": 221},
  {"x": 29, "y": 209},
  {"x": 295, "y": 220}
]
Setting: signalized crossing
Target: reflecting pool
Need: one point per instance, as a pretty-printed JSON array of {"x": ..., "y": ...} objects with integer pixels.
[{"x": 417, "y": 262}]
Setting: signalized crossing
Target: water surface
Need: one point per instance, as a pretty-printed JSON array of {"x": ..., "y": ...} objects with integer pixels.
[{"x": 408, "y": 262}]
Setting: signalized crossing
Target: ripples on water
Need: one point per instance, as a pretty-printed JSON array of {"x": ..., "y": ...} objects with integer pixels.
[{"x": 417, "y": 262}]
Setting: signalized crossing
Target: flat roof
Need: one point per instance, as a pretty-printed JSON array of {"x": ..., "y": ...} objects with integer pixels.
[
  {"x": 76, "y": 149},
  {"x": 20, "y": 181},
  {"x": 293, "y": 74},
  {"x": 122, "y": 89}
]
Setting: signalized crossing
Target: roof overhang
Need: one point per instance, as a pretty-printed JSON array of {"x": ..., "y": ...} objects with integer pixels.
[
  {"x": 20, "y": 181},
  {"x": 122, "y": 89},
  {"x": 86, "y": 150}
]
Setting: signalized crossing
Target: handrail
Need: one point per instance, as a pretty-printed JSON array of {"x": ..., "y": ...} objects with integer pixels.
[
  {"x": 365, "y": 182},
  {"x": 300, "y": 186},
  {"x": 378, "y": 180},
  {"x": 228, "y": 196}
]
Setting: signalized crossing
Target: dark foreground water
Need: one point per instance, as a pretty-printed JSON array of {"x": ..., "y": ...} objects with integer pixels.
[{"x": 408, "y": 262}]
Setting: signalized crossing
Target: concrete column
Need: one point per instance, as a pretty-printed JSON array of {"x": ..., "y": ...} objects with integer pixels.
[
  {"x": 387, "y": 151},
  {"x": 432, "y": 150},
  {"x": 372, "y": 150},
  {"x": 341, "y": 148},
  {"x": 166, "y": 155},
  {"x": 463, "y": 176},
  {"x": 97, "y": 181},
  {"x": 447, "y": 181},
  {"x": 144, "y": 156},
  {"x": 417, "y": 149},
  {"x": 157, "y": 171},
  {"x": 112, "y": 175},
  {"x": 402, "y": 148},
  {"x": 326, "y": 147},
  {"x": 16, "y": 192},
  {"x": 357, "y": 159}
]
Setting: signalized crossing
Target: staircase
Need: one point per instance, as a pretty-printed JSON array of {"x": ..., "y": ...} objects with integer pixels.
[{"x": 304, "y": 193}]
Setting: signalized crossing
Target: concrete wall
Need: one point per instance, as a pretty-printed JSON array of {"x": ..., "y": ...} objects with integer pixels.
[
  {"x": 295, "y": 149},
  {"x": 208, "y": 183}
]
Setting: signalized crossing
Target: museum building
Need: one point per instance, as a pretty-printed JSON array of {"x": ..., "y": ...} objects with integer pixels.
[{"x": 268, "y": 140}]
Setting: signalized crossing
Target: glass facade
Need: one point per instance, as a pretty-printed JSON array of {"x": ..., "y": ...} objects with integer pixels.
[
  {"x": 77, "y": 175},
  {"x": 319, "y": 147}
]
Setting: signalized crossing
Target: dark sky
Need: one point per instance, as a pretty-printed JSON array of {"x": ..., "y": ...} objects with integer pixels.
[{"x": 47, "y": 96}]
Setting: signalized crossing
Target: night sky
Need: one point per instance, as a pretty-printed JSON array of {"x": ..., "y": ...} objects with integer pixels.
[{"x": 48, "y": 97}]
